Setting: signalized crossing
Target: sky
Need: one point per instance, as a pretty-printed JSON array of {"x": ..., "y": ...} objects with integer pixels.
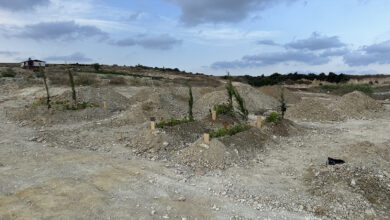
[{"x": 251, "y": 37}]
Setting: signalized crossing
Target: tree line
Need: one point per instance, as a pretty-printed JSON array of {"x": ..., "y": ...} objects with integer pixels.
[{"x": 278, "y": 78}]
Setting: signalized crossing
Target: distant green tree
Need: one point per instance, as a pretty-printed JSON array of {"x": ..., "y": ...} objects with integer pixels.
[{"x": 96, "y": 66}]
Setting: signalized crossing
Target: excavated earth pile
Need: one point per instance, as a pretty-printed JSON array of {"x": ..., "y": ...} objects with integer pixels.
[
  {"x": 354, "y": 105},
  {"x": 274, "y": 91},
  {"x": 184, "y": 144},
  {"x": 255, "y": 101},
  {"x": 40, "y": 115},
  {"x": 358, "y": 105},
  {"x": 313, "y": 110}
]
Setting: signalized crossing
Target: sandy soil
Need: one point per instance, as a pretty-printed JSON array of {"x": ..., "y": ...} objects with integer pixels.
[{"x": 84, "y": 171}]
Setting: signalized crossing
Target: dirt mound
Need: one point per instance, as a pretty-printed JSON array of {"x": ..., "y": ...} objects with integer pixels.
[
  {"x": 168, "y": 140},
  {"x": 147, "y": 141},
  {"x": 246, "y": 142},
  {"x": 200, "y": 155},
  {"x": 223, "y": 152},
  {"x": 358, "y": 105},
  {"x": 274, "y": 91},
  {"x": 41, "y": 115},
  {"x": 313, "y": 110},
  {"x": 164, "y": 102},
  {"x": 284, "y": 128},
  {"x": 255, "y": 100}
]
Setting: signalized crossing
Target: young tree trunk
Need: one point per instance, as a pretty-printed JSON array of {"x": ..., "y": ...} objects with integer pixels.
[
  {"x": 72, "y": 85},
  {"x": 46, "y": 87}
]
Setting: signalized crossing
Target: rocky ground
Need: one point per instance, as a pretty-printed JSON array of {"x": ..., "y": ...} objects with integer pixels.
[{"x": 92, "y": 168}]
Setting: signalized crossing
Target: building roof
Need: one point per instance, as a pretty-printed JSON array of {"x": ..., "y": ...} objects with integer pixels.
[{"x": 34, "y": 61}]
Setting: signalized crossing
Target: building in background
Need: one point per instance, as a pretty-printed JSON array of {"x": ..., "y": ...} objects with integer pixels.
[{"x": 33, "y": 64}]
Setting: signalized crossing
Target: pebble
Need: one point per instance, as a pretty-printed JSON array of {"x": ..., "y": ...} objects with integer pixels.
[
  {"x": 33, "y": 139},
  {"x": 353, "y": 182},
  {"x": 205, "y": 146},
  {"x": 181, "y": 199},
  {"x": 165, "y": 144},
  {"x": 215, "y": 208}
]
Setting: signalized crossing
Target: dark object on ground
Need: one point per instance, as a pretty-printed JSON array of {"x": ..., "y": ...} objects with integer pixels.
[{"x": 332, "y": 161}]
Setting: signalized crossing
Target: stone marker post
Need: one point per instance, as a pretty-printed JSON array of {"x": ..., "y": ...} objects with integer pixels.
[
  {"x": 153, "y": 123},
  {"x": 206, "y": 136}
]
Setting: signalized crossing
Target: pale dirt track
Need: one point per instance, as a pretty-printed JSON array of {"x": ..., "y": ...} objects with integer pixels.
[{"x": 46, "y": 181}]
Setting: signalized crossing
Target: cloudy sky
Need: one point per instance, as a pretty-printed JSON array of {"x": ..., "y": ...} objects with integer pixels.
[{"x": 210, "y": 36}]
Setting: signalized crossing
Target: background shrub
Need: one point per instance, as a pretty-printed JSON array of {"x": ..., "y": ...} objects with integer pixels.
[
  {"x": 86, "y": 79},
  {"x": 96, "y": 66},
  {"x": 8, "y": 73},
  {"x": 117, "y": 81}
]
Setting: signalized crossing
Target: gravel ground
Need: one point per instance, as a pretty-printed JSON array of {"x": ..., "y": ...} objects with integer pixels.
[{"x": 84, "y": 170}]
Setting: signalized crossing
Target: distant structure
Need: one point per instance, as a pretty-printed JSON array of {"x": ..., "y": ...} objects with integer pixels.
[{"x": 33, "y": 64}]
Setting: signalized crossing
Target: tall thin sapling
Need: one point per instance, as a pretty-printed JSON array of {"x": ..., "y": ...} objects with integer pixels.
[
  {"x": 190, "y": 104},
  {"x": 46, "y": 87},
  {"x": 283, "y": 106},
  {"x": 72, "y": 85}
]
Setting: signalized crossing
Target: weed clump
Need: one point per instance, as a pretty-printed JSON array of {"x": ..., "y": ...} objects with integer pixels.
[
  {"x": 274, "y": 117},
  {"x": 224, "y": 109},
  {"x": 172, "y": 122},
  {"x": 226, "y": 130}
]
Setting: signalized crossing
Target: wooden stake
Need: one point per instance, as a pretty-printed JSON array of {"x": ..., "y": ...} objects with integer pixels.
[
  {"x": 153, "y": 123},
  {"x": 214, "y": 115},
  {"x": 206, "y": 136},
  {"x": 258, "y": 125},
  {"x": 105, "y": 104},
  {"x": 121, "y": 136}
]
